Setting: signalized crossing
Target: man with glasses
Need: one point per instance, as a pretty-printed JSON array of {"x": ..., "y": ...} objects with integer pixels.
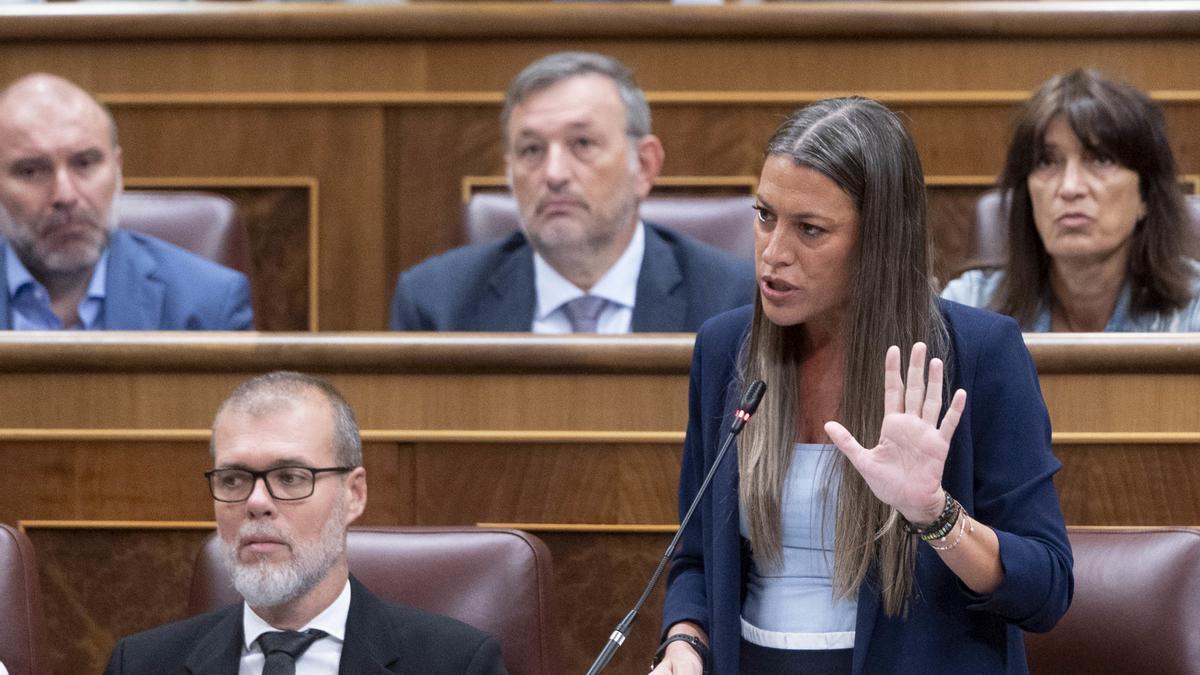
[{"x": 287, "y": 482}]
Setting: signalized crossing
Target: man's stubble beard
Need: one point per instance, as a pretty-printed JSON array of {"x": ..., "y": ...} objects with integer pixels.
[
  {"x": 23, "y": 238},
  {"x": 581, "y": 246}
]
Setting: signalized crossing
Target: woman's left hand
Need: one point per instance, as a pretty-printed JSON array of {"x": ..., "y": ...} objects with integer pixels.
[{"x": 904, "y": 470}]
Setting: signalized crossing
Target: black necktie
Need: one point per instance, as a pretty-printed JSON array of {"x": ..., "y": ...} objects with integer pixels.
[{"x": 283, "y": 647}]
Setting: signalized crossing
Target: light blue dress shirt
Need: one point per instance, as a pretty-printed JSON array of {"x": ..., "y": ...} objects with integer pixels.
[{"x": 29, "y": 301}]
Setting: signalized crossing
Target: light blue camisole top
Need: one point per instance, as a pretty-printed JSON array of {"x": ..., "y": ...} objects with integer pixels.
[{"x": 797, "y": 598}]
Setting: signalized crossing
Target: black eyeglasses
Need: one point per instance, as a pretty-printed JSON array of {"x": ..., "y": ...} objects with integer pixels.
[{"x": 284, "y": 483}]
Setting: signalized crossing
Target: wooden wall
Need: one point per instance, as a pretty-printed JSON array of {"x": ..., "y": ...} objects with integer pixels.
[
  {"x": 379, "y": 114},
  {"x": 113, "y": 428}
]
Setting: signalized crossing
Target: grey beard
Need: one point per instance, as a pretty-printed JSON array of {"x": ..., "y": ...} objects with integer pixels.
[{"x": 265, "y": 584}]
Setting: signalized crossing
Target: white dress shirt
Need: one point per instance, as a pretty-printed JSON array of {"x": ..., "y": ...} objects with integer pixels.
[
  {"x": 618, "y": 286},
  {"x": 321, "y": 658}
]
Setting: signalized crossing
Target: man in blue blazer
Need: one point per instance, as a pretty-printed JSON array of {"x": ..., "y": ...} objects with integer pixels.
[
  {"x": 63, "y": 263},
  {"x": 287, "y": 482},
  {"x": 580, "y": 160}
]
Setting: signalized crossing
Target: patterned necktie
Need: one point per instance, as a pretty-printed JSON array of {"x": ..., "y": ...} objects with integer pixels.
[
  {"x": 282, "y": 648},
  {"x": 584, "y": 313}
]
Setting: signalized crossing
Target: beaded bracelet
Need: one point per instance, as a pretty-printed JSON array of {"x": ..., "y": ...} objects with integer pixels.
[
  {"x": 941, "y": 526},
  {"x": 966, "y": 522}
]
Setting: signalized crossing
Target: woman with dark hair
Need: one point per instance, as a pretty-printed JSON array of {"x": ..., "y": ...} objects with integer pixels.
[
  {"x": 930, "y": 549},
  {"x": 1096, "y": 221}
]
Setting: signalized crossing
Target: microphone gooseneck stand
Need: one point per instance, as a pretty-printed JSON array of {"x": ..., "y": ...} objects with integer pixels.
[{"x": 745, "y": 409}]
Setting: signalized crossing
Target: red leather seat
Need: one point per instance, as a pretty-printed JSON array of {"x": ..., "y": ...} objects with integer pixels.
[
  {"x": 1136, "y": 607},
  {"x": 499, "y": 581},
  {"x": 204, "y": 223},
  {"x": 723, "y": 221},
  {"x": 22, "y": 624}
]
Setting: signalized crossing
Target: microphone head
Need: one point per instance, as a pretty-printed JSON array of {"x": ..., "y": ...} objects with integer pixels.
[{"x": 752, "y": 397}]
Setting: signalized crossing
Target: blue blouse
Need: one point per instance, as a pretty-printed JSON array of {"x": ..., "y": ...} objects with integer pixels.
[
  {"x": 798, "y": 597},
  {"x": 977, "y": 288}
]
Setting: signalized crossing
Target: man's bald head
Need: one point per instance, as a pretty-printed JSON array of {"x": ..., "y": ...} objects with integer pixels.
[
  {"x": 60, "y": 173},
  {"x": 34, "y": 92}
]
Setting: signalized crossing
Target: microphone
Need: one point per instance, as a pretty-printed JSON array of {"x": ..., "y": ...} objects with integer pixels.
[{"x": 749, "y": 404}]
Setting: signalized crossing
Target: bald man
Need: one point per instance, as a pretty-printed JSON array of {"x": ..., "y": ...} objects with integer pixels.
[{"x": 63, "y": 262}]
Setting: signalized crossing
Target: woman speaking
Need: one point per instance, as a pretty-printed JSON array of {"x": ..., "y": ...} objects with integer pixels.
[{"x": 874, "y": 522}]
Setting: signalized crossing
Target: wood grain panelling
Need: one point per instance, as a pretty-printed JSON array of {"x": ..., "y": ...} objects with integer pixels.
[
  {"x": 113, "y": 400},
  {"x": 222, "y": 65},
  {"x": 429, "y": 150},
  {"x": 1130, "y": 485},
  {"x": 157, "y": 480},
  {"x": 1094, "y": 402},
  {"x": 831, "y": 64},
  {"x": 341, "y": 147},
  {"x": 389, "y": 107},
  {"x": 278, "y": 221},
  {"x": 621, "y": 483},
  {"x": 714, "y": 139},
  {"x": 101, "y": 584},
  {"x": 719, "y": 64},
  {"x": 598, "y": 577},
  {"x": 570, "y": 430}
]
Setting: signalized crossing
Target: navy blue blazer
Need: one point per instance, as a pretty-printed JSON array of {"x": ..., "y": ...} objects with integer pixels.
[
  {"x": 999, "y": 467},
  {"x": 490, "y": 287},
  {"x": 153, "y": 285},
  {"x": 380, "y": 638}
]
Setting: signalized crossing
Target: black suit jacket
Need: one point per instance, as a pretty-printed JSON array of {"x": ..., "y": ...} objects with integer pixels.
[
  {"x": 490, "y": 287},
  {"x": 380, "y": 638}
]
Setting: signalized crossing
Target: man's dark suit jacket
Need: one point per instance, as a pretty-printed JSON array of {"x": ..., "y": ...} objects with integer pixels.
[
  {"x": 153, "y": 285},
  {"x": 490, "y": 287},
  {"x": 380, "y": 638}
]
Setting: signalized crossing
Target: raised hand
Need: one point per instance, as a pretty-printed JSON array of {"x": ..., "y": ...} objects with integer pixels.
[{"x": 904, "y": 470}]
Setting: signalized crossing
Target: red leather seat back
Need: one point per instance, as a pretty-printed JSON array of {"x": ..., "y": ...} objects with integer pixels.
[
  {"x": 1136, "y": 607},
  {"x": 723, "y": 221},
  {"x": 499, "y": 581},
  {"x": 22, "y": 623},
  {"x": 204, "y": 223}
]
